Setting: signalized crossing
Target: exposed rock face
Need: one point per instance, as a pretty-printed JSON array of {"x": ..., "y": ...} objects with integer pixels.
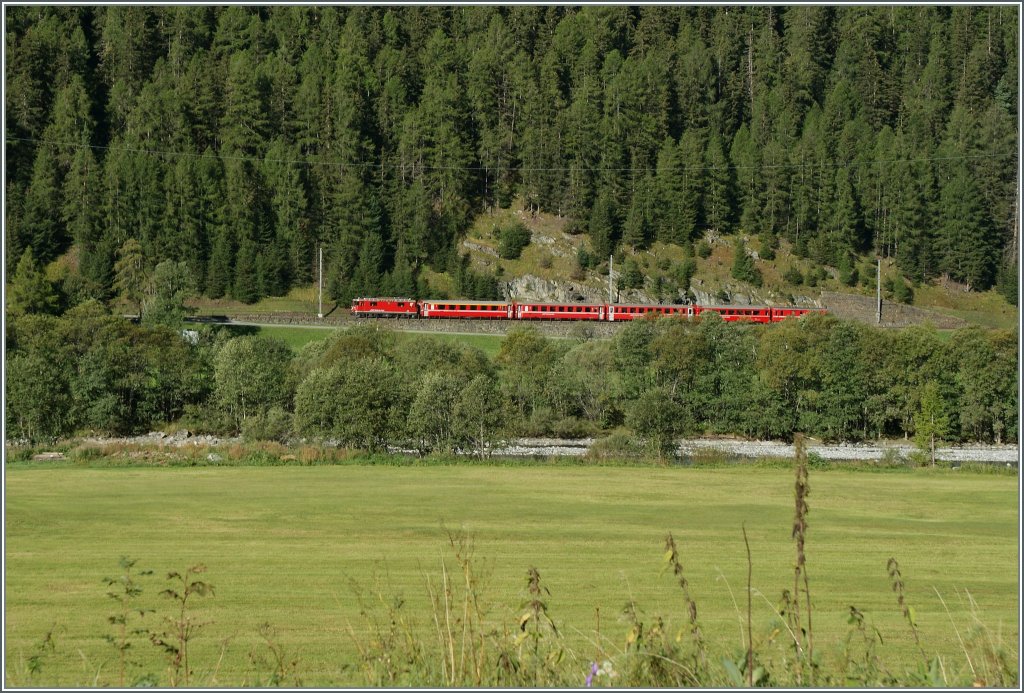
[{"x": 532, "y": 288}]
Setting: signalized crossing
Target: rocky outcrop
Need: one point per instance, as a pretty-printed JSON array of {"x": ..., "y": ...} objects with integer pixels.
[{"x": 532, "y": 288}]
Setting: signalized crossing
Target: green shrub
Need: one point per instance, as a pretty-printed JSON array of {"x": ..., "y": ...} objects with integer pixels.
[
  {"x": 631, "y": 277},
  {"x": 512, "y": 240},
  {"x": 901, "y": 291},
  {"x": 575, "y": 227},
  {"x": 704, "y": 249},
  {"x": 273, "y": 424},
  {"x": 794, "y": 276},
  {"x": 743, "y": 267}
]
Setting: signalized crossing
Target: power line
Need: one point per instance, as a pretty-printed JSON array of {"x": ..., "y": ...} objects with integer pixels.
[{"x": 527, "y": 169}]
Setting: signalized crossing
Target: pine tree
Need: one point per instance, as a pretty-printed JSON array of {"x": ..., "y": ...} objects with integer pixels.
[
  {"x": 965, "y": 235},
  {"x": 40, "y": 227},
  {"x": 29, "y": 290},
  {"x": 367, "y": 278},
  {"x": 220, "y": 274},
  {"x": 743, "y": 267},
  {"x": 602, "y": 225},
  {"x": 745, "y": 157},
  {"x": 636, "y": 231},
  {"x": 246, "y": 287},
  {"x": 130, "y": 273},
  {"x": 845, "y": 232},
  {"x": 719, "y": 193}
]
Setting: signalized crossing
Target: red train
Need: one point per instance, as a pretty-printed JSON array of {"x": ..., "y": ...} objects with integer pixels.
[{"x": 491, "y": 310}]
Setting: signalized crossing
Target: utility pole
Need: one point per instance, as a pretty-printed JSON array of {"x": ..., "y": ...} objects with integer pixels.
[
  {"x": 878, "y": 291},
  {"x": 320, "y": 303},
  {"x": 611, "y": 260}
]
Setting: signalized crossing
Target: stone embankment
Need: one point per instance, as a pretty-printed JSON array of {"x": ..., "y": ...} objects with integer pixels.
[{"x": 864, "y": 309}]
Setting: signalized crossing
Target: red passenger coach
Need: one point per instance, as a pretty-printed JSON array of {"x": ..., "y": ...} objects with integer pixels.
[
  {"x": 730, "y": 314},
  {"x": 780, "y": 314},
  {"x": 465, "y": 309},
  {"x": 619, "y": 313},
  {"x": 560, "y": 311},
  {"x": 385, "y": 308}
]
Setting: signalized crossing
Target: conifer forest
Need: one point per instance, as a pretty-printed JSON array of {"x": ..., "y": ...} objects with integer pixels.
[{"x": 237, "y": 140}]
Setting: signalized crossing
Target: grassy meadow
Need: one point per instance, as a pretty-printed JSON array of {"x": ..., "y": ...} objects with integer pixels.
[{"x": 320, "y": 553}]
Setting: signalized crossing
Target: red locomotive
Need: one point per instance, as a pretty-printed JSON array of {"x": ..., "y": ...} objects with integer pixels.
[{"x": 610, "y": 312}]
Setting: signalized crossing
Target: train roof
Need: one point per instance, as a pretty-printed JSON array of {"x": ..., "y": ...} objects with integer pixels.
[
  {"x": 460, "y": 301},
  {"x": 383, "y": 298}
]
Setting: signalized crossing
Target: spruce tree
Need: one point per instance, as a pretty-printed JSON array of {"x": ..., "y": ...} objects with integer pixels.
[
  {"x": 719, "y": 193},
  {"x": 130, "y": 273},
  {"x": 40, "y": 227},
  {"x": 246, "y": 287},
  {"x": 965, "y": 236},
  {"x": 602, "y": 226},
  {"x": 29, "y": 290}
]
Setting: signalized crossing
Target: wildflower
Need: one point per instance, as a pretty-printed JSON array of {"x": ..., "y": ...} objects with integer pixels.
[
  {"x": 607, "y": 670},
  {"x": 593, "y": 672}
]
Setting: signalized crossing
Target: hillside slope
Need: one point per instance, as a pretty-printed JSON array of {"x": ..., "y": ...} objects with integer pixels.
[{"x": 550, "y": 269}]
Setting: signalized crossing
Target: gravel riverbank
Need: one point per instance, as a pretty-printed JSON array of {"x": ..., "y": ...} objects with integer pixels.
[{"x": 556, "y": 447}]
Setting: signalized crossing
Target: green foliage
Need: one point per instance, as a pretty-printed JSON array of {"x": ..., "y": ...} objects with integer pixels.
[
  {"x": 125, "y": 591},
  {"x": 377, "y": 133},
  {"x": 704, "y": 249},
  {"x": 658, "y": 418},
  {"x": 358, "y": 403},
  {"x": 130, "y": 273},
  {"x": 273, "y": 424},
  {"x": 183, "y": 627},
  {"x": 901, "y": 291},
  {"x": 30, "y": 291},
  {"x": 38, "y": 397},
  {"x": 743, "y": 267},
  {"x": 512, "y": 240},
  {"x": 631, "y": 277},
  {"x": 793, "y": 276},
  {"x": 251, "y": 375},
  {"x": 170, "y": 285},
  {"x": 931, "y": 422}
]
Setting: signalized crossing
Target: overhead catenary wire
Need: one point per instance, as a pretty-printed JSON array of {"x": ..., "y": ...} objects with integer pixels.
[{"x": 522, "y": 169}]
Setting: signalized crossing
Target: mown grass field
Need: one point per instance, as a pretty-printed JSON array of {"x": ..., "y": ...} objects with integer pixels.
[{"x": 284, "y": 546}]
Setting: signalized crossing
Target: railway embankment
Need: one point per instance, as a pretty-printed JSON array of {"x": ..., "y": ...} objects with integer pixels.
[{"x": 864, "y": 309}]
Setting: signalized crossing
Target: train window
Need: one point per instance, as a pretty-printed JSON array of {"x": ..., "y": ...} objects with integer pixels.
[{"x": 373, "y": 303}]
